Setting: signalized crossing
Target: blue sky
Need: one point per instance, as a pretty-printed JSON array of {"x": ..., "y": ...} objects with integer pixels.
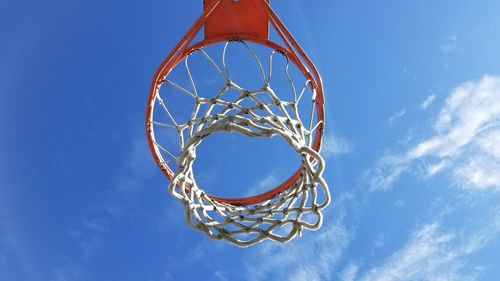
[{"x": 412, "y": 145}]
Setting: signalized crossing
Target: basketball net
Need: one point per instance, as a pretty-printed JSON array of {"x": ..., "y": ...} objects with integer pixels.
[{"x": 279, "y": 214}]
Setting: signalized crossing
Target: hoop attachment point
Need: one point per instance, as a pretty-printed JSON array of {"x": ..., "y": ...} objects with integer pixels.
[{"x": 237, "y": 18}]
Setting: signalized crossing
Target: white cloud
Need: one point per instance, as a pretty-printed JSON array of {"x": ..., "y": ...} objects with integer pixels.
[
  {"x": 305, "y": 258},
  {"x": 15, "y": 244},
  {"x": 464, "y": 141},
  {"x": 428, "y": 101},
  {"x": 396, "y": 116},
  {"x": 68, "y": 272},
  {"x": 197, "y": 253},
  {"x": 451, "y": 45},
  {"x": 481, "y": 172},
  {"x": 435, "y": 254},
  {"x": 379, "y": 241},
  {"x": 386, "y": 172},
  {"x": 335, "y": 145},
  {"x": 435, "y": 168},
  {"x": 265, "y": 184},
  {"x": 314, "y": 256},
  {"x": 87, "y": 242},
  {"x": 221, "y": 276},
  {"x": 431, "y": 253},
  {"x": 350, "y": 272},
  {"x": 90, "y": 232},
  {"x": 305, "y": 273},
  {"x": 400, "y": 203}
]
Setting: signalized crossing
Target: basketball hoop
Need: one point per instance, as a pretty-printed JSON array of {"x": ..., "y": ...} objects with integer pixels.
[{"x": 281, "y": 213}]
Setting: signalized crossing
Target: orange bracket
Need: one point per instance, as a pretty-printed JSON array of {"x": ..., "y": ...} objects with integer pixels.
[{"x": 237, "y": 18}]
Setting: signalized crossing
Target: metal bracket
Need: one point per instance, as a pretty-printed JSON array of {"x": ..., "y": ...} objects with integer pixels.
[{"x": 237, "y": 17}]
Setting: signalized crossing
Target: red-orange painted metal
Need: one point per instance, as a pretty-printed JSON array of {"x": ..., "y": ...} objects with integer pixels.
[
  {"x": 236, "y": 18},
  {"x": 224, "y": 20}
]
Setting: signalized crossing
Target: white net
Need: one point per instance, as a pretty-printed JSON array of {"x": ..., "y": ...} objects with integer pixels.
[{"x": 254, "y": 113}]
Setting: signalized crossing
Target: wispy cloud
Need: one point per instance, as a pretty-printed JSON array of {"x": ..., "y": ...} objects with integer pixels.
[
  {"x": 316, "y": 255},
  {"x": 428, "y": 101},
  {"x": 335, "y": 145},
  {"x": 197, "y": 253},
  {"x": 433, "y": 253},
  {"x": 68, "y": 272},
  {"x": 452, "y": 44},
  {"x": 265, "y": 184},
  {"x": 386, "y": 171},
  {"x": 400, "y": 203},
  {"x": 90, "y": 231},
  {"x": 306, "y": 258},
  {"x": 396, "y": 116},
  {"x": 350, "y": 272},
  {"x": 88, "y": 234},
  {"x": 3, "y": 256},
  {"x": 379, "y": 241},
  {"x": 15, "y": 245},
  {"x": 220, "y": 275},
  {"x": 463, "y": 141}
]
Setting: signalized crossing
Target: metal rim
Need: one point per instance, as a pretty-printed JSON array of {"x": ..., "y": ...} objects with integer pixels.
[{"x": 170, "y": 63}]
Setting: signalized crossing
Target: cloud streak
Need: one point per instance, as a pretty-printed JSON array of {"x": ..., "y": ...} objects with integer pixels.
[
  {"x": 267, "y": 183},
  {"x": 396, "y": 116},
  {"x": 428, "y": 101},
  {"x": 335, "y": 145},
  {"x": 90, "y": 231},
  {"x": 451, "y": 45},
  {"x": 433, "y": 253},
  {"x": 350, "y": 272},
  {"x": 313, "y": 257},
  {"x": 463, "y": 142},
  {"x": 307, "y": 258}
]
